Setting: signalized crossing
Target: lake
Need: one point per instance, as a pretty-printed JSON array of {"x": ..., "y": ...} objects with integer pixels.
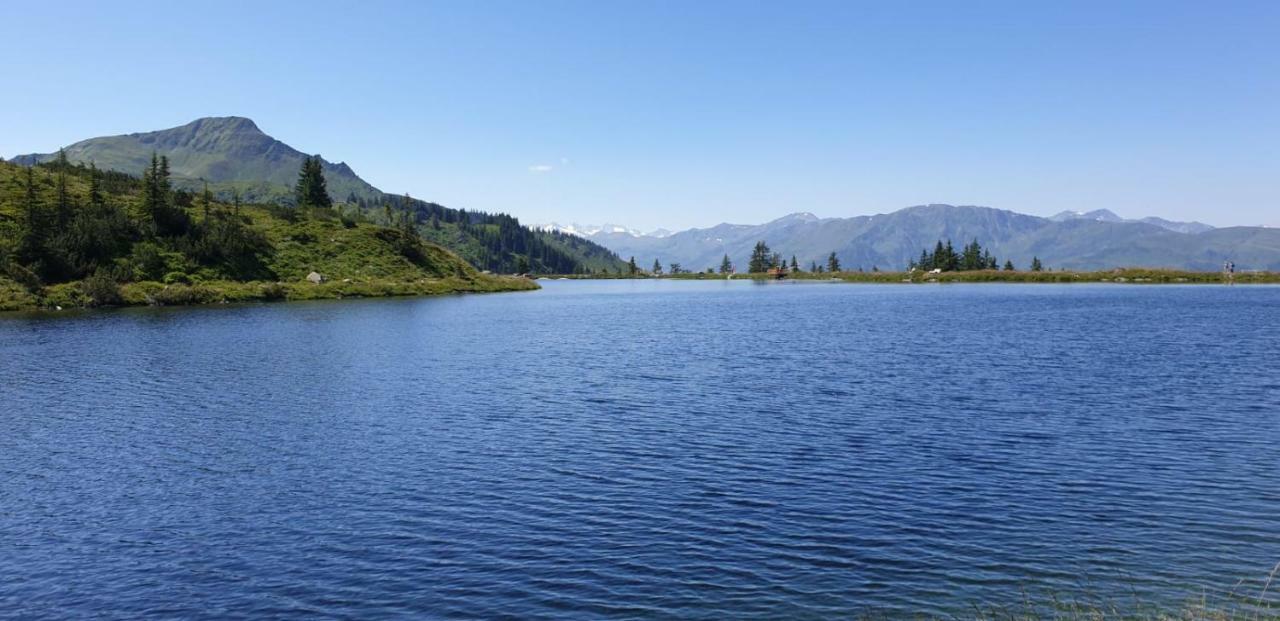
[{"x": 642, "y": 449}]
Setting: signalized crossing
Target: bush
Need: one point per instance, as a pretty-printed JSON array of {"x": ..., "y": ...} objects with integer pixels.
[
  {"x": 151, "y": 262},
  {"x": 185, "y": 295},
  {"x": 21, "y": 275},
  {"x": 274, "y": 291},
  {"x": 177, "y": 278},
  {"x": 101, "y": 289}
]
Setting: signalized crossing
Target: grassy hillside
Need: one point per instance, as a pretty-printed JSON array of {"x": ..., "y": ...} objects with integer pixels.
[
  {"x": 109, "y": 250},
  {"x": 230, "y": 153},
  {"x": 234, "y": 156}
]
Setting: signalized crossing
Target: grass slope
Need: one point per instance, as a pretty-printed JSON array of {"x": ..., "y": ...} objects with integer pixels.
[{"x": 356, "y": 259}]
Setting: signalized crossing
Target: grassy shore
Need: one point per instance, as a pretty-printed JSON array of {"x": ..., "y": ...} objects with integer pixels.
[
  {"x": 74, "y": 295},
  {"x": 1125, "y": 275}
]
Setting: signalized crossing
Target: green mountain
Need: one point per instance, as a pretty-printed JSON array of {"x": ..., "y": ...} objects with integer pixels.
[
  {"x": 73, "y": 236},
  {"x": 230, "y": 153},
  {"x": 233, "y": 155}
]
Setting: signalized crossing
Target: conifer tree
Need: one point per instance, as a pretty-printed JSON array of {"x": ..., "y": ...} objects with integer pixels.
[
  {"x": 657, "y": 268},
  {"x": 95, "y": 187},
  {"x": 1008, "y": 265},
  {"x": 833, "y": 263},
  {"x": 631, "y": 267},
  {"x": 795, "y": 267},
  {"x": 206, "y": 201},
  {"x": 1036, "y": 266},
  {"x": 63, "y": 208},
  {"x": 759, "y": 258},
  {"x": 311, "y": 191},
  {"x": 725, "y": 265},
  {"x": 35, "y": 234}
]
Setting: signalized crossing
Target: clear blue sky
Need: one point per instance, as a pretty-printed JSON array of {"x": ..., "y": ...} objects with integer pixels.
[{"x": 678, "y": 114}]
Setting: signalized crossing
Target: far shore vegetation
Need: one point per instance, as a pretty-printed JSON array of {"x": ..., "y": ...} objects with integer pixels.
[
  {"x": 75, "y": 236},
  {"x": 940, "y": 264}
]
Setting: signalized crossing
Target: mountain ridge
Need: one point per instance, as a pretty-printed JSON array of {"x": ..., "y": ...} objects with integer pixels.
[
  {"x": 231, "y": 153},
  {"x": 891, "y": 240},
  {"x": 235, "y": 157}
]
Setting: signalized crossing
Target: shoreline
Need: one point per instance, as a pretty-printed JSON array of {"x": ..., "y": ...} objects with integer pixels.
[
  {"x": 1117, "y": 276},
  {"x": 68, "y": 296}
]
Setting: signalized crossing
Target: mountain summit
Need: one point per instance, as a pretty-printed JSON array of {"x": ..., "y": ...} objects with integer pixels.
[{"x": 228, "y": 152}]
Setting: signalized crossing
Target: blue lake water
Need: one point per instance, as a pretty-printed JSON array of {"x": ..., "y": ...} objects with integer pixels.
[{"x": 642, "y": 449}]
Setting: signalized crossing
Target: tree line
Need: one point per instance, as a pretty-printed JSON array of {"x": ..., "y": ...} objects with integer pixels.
[
  {"x": 75, "y": 222},
  {"x": 972, "y": 257}
]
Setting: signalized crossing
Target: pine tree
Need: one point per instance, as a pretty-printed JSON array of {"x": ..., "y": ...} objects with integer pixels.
[
  {"x": 155, "y": 194},
  {"x": 311, "y": 191},
  {"x": 725, "y": 265},
  {"x": 95, "y": 187},
  {"x": 657, "y": 268},
  {"x": 408, "y": 223},
  {"x": 35, "y": 232},
  {"x": 952, "y": 259},
  {"x": 1008, "y": 266},
  {"x": 631, "y": 267},
  {"x": 759, "y": 258},
  {"x": 1036, "y": 266},
  {"x": 795, "y": 267},
  {"x": 833, "y": 263},
  {"x": 63, "y": 208},
  {"x": 206, "y": 201}
]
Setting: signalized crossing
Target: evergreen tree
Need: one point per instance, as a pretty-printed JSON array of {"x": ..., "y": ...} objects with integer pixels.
[
  {"x": 795, "y": 267},
  {"x": 833, "y": 263},
  {"x": 631, "y": 267},
  {"x": 952, "y": 259},
  {"x": 408, "y": 223},
  {"x": 35, "y": 226},
  {"x": 725, "y": 265},
  {"x": 206, "y": 201},
  {"x": 1036, "y": 266},
  {"x": 63, "y": 207},
  {"x": 1008, "y": 266},
  {"x": 676, "y": 268},
  {"x": 759, "y": 258},
  {"x": 95, "y": 187},
  {"x": 657, "y": 268},
  {"x": 311, "y": 191}
]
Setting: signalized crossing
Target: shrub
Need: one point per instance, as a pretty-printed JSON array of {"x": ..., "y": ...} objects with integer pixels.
[
  {"x": 185, "y": 295},
  {"x": 274, "y": 291},
  {"x": 177, "y": 278},
  {"x": 21, "y": 275},
  {"x": 101, "y": 289}
]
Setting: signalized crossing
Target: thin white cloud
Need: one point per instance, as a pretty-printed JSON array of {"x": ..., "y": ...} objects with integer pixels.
[{"x": 540, "y": 168}]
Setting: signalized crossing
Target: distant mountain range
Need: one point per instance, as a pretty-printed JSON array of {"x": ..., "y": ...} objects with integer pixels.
[
  {"x": 233, "y": 154},
  {"x": 1094, "y": 240},
  {"x": 1106, "y": 215}
]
